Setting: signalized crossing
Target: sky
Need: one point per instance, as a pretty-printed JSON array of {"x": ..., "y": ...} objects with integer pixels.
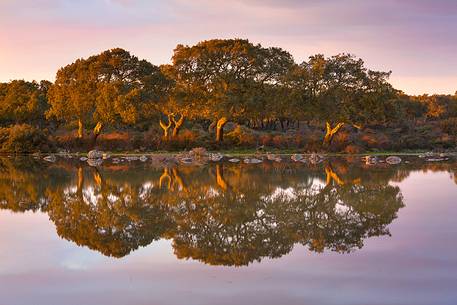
[{"x": 415, "y": 39}]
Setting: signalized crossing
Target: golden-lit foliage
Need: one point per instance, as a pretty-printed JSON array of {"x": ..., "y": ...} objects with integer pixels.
[{"x": 216, "y": 84}]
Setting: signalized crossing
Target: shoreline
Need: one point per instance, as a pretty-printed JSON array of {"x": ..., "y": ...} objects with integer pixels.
[{"x": 235, "y": 153}]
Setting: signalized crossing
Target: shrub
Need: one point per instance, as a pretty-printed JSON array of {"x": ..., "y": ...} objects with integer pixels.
[
  {"x": 353, "y": 149},
  {"x": 23, "y": 138},
  {"x": 449, "y": 125},
  {"x": 242, "y": 136}
]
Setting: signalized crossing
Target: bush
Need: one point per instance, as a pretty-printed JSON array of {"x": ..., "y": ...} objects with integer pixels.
[
  {"x": 242, "y": 136},
  {"x": 23, "y": 138},
  {"x": 449, "y": 125}
]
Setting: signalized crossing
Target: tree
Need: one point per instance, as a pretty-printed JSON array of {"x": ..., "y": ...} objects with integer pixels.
[
  {"x": 341, "y": 90},
  {"x": 224, "y": 79},
  {"x": 23, "y": 102},
  {"x": 113, "y": 88}
]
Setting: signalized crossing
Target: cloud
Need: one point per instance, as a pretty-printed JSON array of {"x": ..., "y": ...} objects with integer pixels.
[{"x": 411, "y": 38}]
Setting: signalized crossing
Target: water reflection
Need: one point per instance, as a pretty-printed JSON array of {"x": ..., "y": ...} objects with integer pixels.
[{"x": 219, "y": 214}]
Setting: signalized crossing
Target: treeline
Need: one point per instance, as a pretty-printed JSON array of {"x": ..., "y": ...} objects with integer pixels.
[{"x": 262, "y": 93}]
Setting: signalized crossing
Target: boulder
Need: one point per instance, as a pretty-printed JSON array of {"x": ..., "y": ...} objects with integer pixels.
[
  {"x": 252, "y": 161},
  {"x": 215, "y": 157},
  {"x": 50, "y": 158},
  {"x": 393, "y": 160},
  {"x": 437, "y": 159},
  {"x": 143, "y": 158},
  {"x": 94, "y": 154},
  {"x": 199, "y": 152},
  {"x": 273, "y": 157},
  {"x": 186, "y": 160},
  {"x": 370, "y": 160}
]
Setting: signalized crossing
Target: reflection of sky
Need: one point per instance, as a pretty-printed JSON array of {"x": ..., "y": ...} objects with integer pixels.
[
  {"x": 416, "y": 39},
  {"x": 417, "y": 265}
]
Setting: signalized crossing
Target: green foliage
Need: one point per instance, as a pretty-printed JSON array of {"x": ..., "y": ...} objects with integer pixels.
[
  {"x": 22, "y": 138},
  {"x": 449, "y": 125},
  {"x": 227, "y": 80},
  {"x": 22, "y": 102}
]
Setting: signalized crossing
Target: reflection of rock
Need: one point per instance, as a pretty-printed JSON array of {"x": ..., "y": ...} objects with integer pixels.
[
  {"x": 252, "y": 161},
  {"x": 315, "y": 159},
  {"x": 296, "y": 157},
  {"x": 393, "y": 160},
  {"x": 94, "y": 154},
  {"x": 50, "y": 158},
  {"x": 95, "y": 162},
  {"x": 234, "y": 160},
  {"x": 273, "y": 157}
]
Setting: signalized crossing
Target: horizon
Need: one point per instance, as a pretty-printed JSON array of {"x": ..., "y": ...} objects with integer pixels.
[{"x": 413, "y": 39}]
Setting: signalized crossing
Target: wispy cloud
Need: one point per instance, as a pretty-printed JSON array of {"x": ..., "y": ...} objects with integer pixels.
[{"x": 415, "y": 39}]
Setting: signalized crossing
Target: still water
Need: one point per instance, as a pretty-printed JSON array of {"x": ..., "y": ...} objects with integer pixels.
[{"x": 340, "y": 232}]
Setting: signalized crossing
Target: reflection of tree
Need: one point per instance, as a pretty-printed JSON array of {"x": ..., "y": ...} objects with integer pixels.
[
  {"x": 220, "y": 214},
  {"x": 108, "y": 217},
  {"x": 23, "y": 183}
]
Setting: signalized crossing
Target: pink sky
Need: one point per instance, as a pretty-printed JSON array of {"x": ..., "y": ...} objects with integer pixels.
[{"x": 415, "y": 39}]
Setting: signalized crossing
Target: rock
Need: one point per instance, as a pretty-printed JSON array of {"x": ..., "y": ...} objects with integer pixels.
[
  {"x": 426, "y": 155},
  {"x": 252, "y": 161},
  {"x": 116, "y": 160},
  {"x": 437, "y": 159},
  {"x": 50, "y": 158},
  {"x": 143, "y": 158},
  {"x": 94, "y": 154},
  {"x": 83, "y": 159},
  {"x": 296, "y": 157},
  {"x": 95, "y": 162},
  {"x": 370, "y": 160},
  {"x": 234, "y": 160},
  {"x": 315, "y": 159},
  {"x": 275, "y": 158},
  {"x": 64, "y": 153},
  {"x": 105, "y": 156},
  {"x": 186, "y": 160},
  {"x": 393, "y": 160},
  {"x": 199, "y": 152},
  {"x": 215, "y": 157}
]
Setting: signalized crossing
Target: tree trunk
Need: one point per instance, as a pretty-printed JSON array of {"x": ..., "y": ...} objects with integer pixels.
[
  {"x": 80, "y": 129},
  {"x": 166, "y": 127},
  {"x": 330, "y": 132},
  {"x": 96, "y": 132},
  {"x": 220, "y": 129},
  {"x": 178, "y": 125}
]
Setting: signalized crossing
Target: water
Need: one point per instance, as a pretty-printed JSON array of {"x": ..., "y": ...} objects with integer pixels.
[{"x": 273, "y": 233}]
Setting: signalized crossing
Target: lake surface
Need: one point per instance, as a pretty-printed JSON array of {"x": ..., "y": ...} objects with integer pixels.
[{"x": 339, "y": 232}]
